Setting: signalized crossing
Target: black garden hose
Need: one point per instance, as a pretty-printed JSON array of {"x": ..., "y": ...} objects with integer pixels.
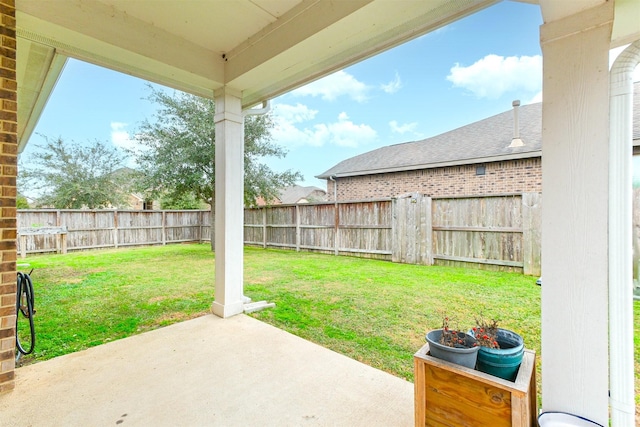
[{"x": 24, "y": 305}]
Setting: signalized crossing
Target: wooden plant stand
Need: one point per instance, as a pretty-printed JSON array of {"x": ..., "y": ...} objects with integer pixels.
[{"x": 447, "y": 394}]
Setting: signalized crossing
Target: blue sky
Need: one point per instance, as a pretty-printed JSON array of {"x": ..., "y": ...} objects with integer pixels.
[{"x": 454, "y": 76}]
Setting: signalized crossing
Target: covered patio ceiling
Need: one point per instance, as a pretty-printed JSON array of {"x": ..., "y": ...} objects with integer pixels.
[{"x": 262, "y": 48}]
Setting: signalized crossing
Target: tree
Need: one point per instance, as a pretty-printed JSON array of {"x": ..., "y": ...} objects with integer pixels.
[
  {"x": 185, "y": 201},
  {"x": 176, "y": 152},
  {"x": 22, "y": 202},
  {"x": 70, "y": 176}
]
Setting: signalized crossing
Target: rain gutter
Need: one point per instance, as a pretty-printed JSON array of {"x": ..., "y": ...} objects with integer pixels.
[
  {"x": 457, "y": 162},
  {"x": 266, "y": 107}
]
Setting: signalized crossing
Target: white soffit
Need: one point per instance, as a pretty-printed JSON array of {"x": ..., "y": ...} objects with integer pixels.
[{"x": 124, "y": 44}]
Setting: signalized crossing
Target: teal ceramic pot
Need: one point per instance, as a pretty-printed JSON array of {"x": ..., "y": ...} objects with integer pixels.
[
  {"x": 502, "y": 362},
  {"x": 464, "y": 355}
]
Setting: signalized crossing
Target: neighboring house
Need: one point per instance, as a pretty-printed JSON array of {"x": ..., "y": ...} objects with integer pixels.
[
  {"x": 496, "y": 155},
  {"x": 296, "y": 194},
  {"x": 137, "y": 202}
]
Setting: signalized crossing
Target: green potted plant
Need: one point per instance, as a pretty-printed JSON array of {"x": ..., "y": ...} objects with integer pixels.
[
  {"x": 453, "y": 345},
  {"x": 501, "y": 350}
]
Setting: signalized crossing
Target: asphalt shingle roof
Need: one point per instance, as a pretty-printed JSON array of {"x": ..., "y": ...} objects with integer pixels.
[
  {"x": 294, "y": 193},
  {"x": 479, "y": 142},
  {"x": 475, "y": 142}
]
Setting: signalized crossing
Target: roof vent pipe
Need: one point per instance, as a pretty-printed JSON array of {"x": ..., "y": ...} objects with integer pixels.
[{"x": 516, "y": 141}]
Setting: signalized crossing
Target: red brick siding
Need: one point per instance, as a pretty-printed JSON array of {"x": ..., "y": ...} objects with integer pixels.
[
  {"x": 511, "y": 176},
  {"x": 8, "y": 172}
]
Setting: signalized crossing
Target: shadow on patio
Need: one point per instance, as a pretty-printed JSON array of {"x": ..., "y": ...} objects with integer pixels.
[{"x": 207, "y": 371}]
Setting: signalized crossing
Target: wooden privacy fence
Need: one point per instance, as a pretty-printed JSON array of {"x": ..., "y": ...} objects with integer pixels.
[
  {"x": 93, "y": 229},
  {"x": 497, "y": 232},
  {"x": 359, "y": 228}
]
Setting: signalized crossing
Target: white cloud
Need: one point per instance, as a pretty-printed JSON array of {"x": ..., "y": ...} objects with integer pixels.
[
  {"x": 493, "y": 75},
  {"x": 536, "y": 98},
  {"x": 334, "y": 86},
  {"x": 285, "y": 132},
  {"x": 393, "y": 86},
  {"x": 120, "y": 137},
  {"x": 290, "y": 129},
  {"x": 294, "y": 113},
  {"x": 404, "y": 128},
  {"x": 345, "y": 133}
]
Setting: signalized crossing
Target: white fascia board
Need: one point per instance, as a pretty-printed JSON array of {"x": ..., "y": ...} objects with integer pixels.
[{"x": 297, "y": 25}]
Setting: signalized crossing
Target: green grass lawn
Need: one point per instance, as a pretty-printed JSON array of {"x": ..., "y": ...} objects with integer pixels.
[{"x": 373, "y": 311}]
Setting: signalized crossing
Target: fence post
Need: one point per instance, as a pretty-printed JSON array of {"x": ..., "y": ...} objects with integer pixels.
[
  {"x": 297, "y": 228},
  {"x": 115, "y": 228},
  {"x": 395, "y": 244},
  {"x": 336, "y": 240},
  {"x": 23, "y": 246},
  {"x": 164, "y": 229},
  {"x": 412, "y": 230},
  {"x": 426, "y": 226},
  {"x": 406, "y": 233},
  {"x": 264, "y": 227},
  {"x": 63, "y": 242},
  {"x": 58, "y": 244},
  {"x": 531, "y": 233},
  {"x": 202, "y": 219}
]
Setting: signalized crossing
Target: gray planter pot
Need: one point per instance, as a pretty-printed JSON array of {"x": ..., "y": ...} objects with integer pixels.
[{"x": 463, "y": 355}]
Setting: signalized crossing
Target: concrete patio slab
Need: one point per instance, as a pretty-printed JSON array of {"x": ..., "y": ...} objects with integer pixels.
[{"x": 207, "y": 371}]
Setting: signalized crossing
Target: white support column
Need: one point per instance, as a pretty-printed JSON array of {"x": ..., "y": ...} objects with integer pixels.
[
  {"x": 621, "y": 372},
  {"x": 575, "y": 171},
  {"x": 229, "y": 203}
]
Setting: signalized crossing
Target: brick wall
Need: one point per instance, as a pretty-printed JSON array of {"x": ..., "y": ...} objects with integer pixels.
[
  {"x": 8, "y": 172},
  {"x": 512, "y": 176}
]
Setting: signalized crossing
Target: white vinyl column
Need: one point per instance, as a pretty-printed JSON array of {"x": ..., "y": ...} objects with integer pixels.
[
  {"x": 229, "y": 203},
  {"x": 621, "y": 372},
  {"x": 575, "y": 171}
]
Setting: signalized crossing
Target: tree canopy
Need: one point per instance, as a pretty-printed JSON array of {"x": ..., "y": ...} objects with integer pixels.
[
  {"x": 72, "y": 176},
  {"x": 175, "y": 152}
]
